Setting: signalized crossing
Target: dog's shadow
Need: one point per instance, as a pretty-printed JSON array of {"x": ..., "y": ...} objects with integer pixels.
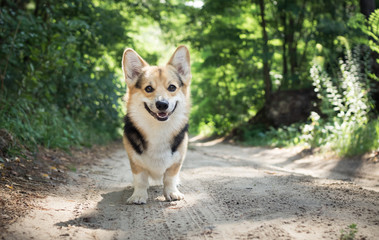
[{"x": 113, "y": 210}]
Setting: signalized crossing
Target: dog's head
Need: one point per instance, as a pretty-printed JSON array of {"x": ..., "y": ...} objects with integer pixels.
[{"x": 159, "y": 91}]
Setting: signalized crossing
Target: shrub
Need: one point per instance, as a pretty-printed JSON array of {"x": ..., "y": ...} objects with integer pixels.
[
  {"x": 345, "y": 102},
  {"x": 58, "y": 75}
]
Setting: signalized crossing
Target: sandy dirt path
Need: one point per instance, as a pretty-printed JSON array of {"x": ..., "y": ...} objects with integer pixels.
[{"x": 231, "y": 192}]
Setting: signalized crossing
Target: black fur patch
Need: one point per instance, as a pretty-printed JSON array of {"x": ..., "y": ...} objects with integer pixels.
[
  {"x": 180, "y": 79},
  {"x": 178, "y": 139},
  {"x": 139, "y": 80},
  {"x": 134, "y": 137}
]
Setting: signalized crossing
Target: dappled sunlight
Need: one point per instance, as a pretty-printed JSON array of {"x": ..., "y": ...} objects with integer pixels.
[
  {"x": 202, "y": 141},
  {"x": 230, "y": 192},
  {"x": 217, "y": 172},
  {"x": 230, "y": 160},
  {"x": 261, "y": 87},
  {"x": 241, "y": 156}
]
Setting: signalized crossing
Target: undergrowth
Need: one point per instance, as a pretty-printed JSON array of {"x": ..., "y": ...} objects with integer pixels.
[
  {"x": 347, "y": 126},
  {"x": 59, "y": 72},
  {"x": 32, "y": 124},
  {"x": 275, "y": 137}
]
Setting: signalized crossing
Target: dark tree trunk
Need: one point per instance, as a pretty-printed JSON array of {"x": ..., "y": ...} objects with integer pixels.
[
  {"x": 36, "y": 10},
  {"x": 367, "y": 7},
  {"x": 292, "y": 48},
  {"x": 284, "y": 51},
  {"x": 266, "y": 65}
]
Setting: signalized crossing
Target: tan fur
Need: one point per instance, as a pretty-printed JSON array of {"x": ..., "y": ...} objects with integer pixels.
[
  {"x": 160, "y": 76},
  {"x": 174, "y": 169},
  {"x": 158, "y": 161}
]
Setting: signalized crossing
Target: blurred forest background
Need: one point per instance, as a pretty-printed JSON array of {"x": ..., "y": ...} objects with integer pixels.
[{"x": 265, "y": 72}]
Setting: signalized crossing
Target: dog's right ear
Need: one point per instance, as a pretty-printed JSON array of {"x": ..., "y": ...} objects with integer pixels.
[{"x": 132, "y": 65}]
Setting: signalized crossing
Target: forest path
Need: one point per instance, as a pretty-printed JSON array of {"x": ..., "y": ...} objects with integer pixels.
[{"x": 231, "y": 192}]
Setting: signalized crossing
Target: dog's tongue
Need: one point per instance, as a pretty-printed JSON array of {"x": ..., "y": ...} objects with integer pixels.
[{"x": 162, "y": 114}]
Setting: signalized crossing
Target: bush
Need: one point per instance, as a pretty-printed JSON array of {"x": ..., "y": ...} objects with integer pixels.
[
  {"x": 58, "y": 68},
  {"x": 345, "y": 103},
  {"x": 48, "y": 126},
  {"x": 279, "y": 137}
]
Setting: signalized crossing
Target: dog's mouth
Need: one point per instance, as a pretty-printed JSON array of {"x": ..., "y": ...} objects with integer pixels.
[{"x": 161, "y": 115}]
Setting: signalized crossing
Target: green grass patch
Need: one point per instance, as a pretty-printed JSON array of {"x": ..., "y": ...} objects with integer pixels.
[
  {"x": 280, "y": 137},
  {"x": 357, "y": 139},
  {"x": 350, "y": 140}
]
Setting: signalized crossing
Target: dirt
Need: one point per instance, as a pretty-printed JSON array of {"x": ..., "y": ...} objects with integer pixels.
[
  {"x": 34, "y": 174},
  {"x": 231, "y": 192}
]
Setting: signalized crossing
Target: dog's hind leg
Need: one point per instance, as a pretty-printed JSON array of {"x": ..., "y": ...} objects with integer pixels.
[
  {"x": 141, "y": 183},
  {"x": 170, "y": 181}
]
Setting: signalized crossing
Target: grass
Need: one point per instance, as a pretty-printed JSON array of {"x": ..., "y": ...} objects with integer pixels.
[
  {"x": 357, "y": 140},
  {"x": 352, "y": 141},
  {"x": 350, "y": 234},
  {"x": 280, "y": 137}
]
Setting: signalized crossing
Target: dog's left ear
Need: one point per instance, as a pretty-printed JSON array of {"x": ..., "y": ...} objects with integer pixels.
[
  {"x": 180, "y": 60},
  {"x": 132, "y": 65}
]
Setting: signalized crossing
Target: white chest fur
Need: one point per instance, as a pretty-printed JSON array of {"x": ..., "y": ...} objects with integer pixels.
[{"x": 159, "y": 136}]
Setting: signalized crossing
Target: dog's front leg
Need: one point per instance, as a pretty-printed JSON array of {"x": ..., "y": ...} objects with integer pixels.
[
  {"x": 171, "y": 181},
  {"x": 141, "y": 183}
]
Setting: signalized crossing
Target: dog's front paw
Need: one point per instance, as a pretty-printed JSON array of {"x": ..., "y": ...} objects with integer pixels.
[
  {"x": 173, "y": 195},
  {"x": 137, "y": 198}
]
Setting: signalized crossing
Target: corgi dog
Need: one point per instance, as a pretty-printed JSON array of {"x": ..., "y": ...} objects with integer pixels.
[{"x": 156, "y": 123}]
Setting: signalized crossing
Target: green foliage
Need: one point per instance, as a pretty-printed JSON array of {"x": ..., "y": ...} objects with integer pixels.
[
  {"x": 345, "y": 126},
  {"x": 49, "y": 126},
  {"x": 275, "y": 137},
  {"x": 58, "y": 64},
  {"x": 226, "y": 92},
  {"x": 345, "y": 102},
  {"x": 373, "y": 30},
  {"x": 228, "y": 88},
  {"x": 350, "y": 234},
  {"x": 373, "y": 33}
]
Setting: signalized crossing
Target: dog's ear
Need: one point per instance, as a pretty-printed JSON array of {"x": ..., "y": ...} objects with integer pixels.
[
  {"x": 180, "y": 60},
  {"x": 132, "y": 65}
]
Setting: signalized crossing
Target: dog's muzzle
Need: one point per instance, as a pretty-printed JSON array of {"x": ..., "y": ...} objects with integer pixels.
[{"x": 162, "y": 106}]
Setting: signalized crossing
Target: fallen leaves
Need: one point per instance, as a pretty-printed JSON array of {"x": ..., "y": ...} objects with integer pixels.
[
  {"x": 45, "y": 175},
  {"x": 53, "y": 168}
]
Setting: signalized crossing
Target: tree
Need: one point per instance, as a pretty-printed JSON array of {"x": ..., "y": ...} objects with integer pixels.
[
  {"x": 266, "y": 64},
  {"x": 367, "y": 7}
]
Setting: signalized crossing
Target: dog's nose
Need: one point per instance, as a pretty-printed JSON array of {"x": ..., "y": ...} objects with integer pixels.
[{"x": 161, "y": 105}]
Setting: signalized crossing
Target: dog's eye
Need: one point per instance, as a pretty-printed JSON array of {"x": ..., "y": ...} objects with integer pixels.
[
  {"x": 171, "y": 88},
  {"x": 149, "y": 89}
]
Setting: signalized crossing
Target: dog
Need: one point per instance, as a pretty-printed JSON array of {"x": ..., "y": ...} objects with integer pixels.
[{"x": 156, "y": 123}]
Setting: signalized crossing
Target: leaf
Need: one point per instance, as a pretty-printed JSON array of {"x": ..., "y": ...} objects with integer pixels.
[
  {"x": 54, "y": 169},
  {"x": 45, "y": 175}
]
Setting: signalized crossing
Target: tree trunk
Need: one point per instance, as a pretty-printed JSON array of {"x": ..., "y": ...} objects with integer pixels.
[
  {"x": 284, "y": 51},
  {"x": 367, "y": 7},
  {"x": 266, "y": 65},
  {"x": 292, "y": 52}
]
